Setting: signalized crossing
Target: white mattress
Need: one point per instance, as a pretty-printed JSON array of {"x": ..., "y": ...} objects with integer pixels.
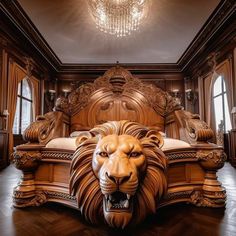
[{"x": 70, "y": 144}]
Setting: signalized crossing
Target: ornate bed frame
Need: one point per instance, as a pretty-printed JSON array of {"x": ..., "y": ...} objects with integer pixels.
[{"x": 191, "y": 173}]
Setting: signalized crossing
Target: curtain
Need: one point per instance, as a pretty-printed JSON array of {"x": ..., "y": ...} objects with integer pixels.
[
  {"x": 223, "y": 69},
  {"x": 35, "y": 96},
  {"x": 209, "y": 105},
  {"x": 16, "y": 74}
]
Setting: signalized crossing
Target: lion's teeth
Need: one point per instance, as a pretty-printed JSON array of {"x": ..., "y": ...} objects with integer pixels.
[
  {"x": 109, "y": 205},
  {"x": 126, "y": 205},
  {"x": 106, "y": 196},
  {"x": 110, "y": 197},
  {"x": 128, "y": 196}
]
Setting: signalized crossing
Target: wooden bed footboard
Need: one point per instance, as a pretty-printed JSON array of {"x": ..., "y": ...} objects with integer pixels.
[{"x": 191, "y": 177}]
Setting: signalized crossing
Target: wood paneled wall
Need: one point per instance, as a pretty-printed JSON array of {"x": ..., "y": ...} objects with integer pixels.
[{"x": 11, "y": 51}]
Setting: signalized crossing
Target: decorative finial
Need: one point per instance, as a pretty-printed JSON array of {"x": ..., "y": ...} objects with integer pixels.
[{"x": 117, "y": 64}]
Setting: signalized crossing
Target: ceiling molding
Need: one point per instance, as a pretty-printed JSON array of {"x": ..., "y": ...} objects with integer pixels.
[
  {"x": 22, "y": 22},
  {"x": 137, "y": 68},
  {"x": 220, "y": 15},
  {"x": 17, "y": 16}
]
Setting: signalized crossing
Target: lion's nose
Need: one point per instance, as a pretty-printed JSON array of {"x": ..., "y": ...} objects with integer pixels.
[{"x": 119, "y": 179}]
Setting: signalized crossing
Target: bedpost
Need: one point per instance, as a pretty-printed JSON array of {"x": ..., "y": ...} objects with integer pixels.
[
  {"x": 27, "y": 159},
  {"x": 212, "y": 194}
]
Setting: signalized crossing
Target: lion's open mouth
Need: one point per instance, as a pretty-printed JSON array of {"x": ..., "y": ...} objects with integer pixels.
[{"x": 118, "y": 201}]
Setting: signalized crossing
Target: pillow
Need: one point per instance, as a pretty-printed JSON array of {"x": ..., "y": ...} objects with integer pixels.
[
  {"x": 170, "y": 143},
  {"x": 76, "y": 134},
  {"x": 62, "y": 143}
]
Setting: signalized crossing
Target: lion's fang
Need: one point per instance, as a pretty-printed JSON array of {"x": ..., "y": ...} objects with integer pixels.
[
  {"x": 128, "y": 196},
  {"x": 126, "y": 205},
  {"x": 106, "y": 196},
  {"x": 109, "y": 205}
]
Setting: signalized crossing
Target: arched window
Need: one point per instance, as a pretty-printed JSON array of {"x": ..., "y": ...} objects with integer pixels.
[
  {"x": 24, "y": 111},
  {"x": 221, "y": 104}
]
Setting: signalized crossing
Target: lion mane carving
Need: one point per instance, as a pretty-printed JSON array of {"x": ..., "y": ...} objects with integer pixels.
[{"x": 118, "y": 173}]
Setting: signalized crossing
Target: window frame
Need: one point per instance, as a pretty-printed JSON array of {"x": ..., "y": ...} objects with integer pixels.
[
  {"x": 222, "y": 93},
  {"x": 21, "y": 98}
]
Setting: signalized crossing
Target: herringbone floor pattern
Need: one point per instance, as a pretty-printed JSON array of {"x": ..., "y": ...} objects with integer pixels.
[{"x": 55, "y": 219}]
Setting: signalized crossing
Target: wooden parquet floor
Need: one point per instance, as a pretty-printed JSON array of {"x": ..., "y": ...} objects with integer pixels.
[{"x": 176, "y": 220}]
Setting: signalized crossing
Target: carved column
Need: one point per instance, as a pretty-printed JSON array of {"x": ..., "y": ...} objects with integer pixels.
[
  {"x": 24, "y": 193},
  {"x": 213, "y": 194}
]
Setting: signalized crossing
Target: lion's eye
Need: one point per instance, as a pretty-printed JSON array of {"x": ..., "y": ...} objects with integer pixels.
[
  {"x": 134, "y": 154},
  {"x": 103, "y": 154}
]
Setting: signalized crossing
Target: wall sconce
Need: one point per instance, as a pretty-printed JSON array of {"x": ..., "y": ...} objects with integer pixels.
[
  {"x": 5, "y": 113},
  {"x": 50, "y": 97},
  {"x": 66, "y": 92},
  {"x": 191, "y": 96},
  {"x": 177, "y": 95},
  {"x": 4, "y": 123},
  {"x": 52, "y": 94}
]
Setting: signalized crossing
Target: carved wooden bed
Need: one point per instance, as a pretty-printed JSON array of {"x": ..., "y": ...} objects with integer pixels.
[{"x": 49, "y": 171}]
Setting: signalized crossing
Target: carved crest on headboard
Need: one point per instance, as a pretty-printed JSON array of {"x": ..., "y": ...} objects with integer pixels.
[{"x": 118, "y": 80}]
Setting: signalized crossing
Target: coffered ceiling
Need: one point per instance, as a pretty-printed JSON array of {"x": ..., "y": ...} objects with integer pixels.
[{"x": 165, "y": 35}]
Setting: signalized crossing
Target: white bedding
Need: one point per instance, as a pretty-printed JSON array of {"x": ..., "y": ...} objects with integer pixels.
[{"x": 70, "y": 144}]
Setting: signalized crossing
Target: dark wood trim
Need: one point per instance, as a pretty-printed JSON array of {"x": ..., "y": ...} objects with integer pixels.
[
  {"x": 221, "y": 14},
  {"x": 17, "y": 16}
]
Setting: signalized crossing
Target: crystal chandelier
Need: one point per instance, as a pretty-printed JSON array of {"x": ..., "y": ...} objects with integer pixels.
[{"x": 118, "y": 17}]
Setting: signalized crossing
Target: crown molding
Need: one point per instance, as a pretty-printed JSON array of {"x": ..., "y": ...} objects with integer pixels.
[
  {"x": 20, "y": 20},
  {"x": 25, "y": 27},
  {"x": 221, "y": 14}
]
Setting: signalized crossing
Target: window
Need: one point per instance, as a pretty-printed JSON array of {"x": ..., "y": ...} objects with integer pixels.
[
  {"x": 24, "y": 111},
  {"x": 221, "y": 104}
]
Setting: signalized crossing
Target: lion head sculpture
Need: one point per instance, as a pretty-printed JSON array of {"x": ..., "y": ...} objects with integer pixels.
[{"x": 118, "y": 173}]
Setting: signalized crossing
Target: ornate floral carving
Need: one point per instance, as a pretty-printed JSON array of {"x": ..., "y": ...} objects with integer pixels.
[
  {"x": 19, "y": 201},
  {"x": 118, "y": 80},
  {"x": 197, "y": 198},
  {"x": 212, "y": 159},
  {"x": 26, "y": 160}
]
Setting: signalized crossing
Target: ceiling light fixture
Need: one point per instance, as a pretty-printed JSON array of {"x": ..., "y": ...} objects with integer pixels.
[{"x": 118, "y": 17}]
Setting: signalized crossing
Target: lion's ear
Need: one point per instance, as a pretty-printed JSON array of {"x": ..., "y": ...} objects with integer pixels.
[
  {"x": 155, "y": 136},
  {"x": 83, "y": 136}
]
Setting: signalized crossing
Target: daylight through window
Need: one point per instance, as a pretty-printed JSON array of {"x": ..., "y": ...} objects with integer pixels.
[
  {"x": 24, "y": 112},
  {"x": 221, "y": 104}
]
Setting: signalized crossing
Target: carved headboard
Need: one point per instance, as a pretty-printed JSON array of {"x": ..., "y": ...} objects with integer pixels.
[{"x": 117, "y": 95}]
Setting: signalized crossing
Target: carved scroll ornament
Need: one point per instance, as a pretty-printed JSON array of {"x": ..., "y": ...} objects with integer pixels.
[
  {"x": 118, "y": 173},
  {"x": 44, "y": 128},
  {"x": 195, "y": 130}
]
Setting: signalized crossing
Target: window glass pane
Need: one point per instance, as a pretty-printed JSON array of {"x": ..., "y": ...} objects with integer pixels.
[
  {"x": 224, "y": 87},
  {"x": 16, "y": 124},
  {"x": 19, "y": 86},
  {"x": 218, "y": 106},
  {"x": 26, "y": 91},
  {"x": 228, "y": 125},
  {"x": 217, "y": 86},
  {"x": 26, "y": 114}
]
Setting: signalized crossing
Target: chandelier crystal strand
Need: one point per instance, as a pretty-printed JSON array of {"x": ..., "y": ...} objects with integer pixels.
[{"x": 118, "y": 17}]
